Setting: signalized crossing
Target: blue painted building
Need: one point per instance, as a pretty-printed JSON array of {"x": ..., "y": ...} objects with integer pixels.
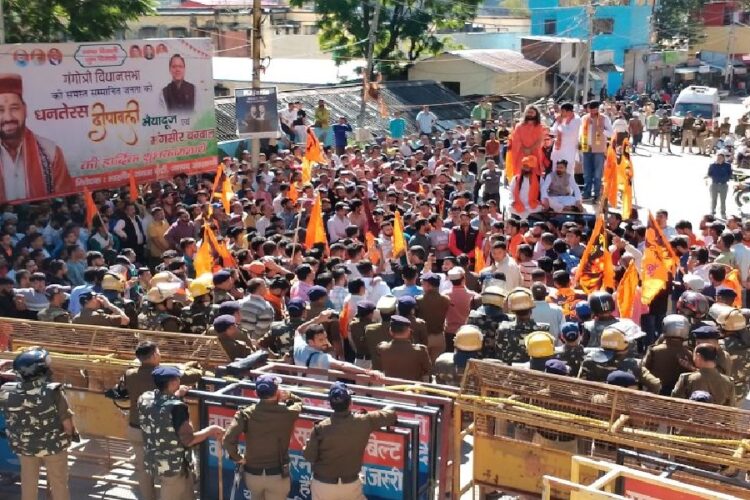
[{"x": 621, "y": 35}]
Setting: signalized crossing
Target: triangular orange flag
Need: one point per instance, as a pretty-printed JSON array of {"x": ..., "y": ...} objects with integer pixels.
[
  {"x": 399, "y": 241},
  {"x": 222, "y": 250},
  {"x": 626, "y": 291},
  {"x": 91, "y": 209},
  {"x": 372, "y": 249},
  {"x": 732, "y": 281},
  {"x": 204, "y": 261},
  {"x": 654, "y": 272},
  {"x": 316, "y": 232},
  {"x": 226, "y": 195},
  {"x": 478, "y": 259},
  {"x": 306, "y": 171},
  {"x": 133, "y": 187},
  {"x": 655, "y": 237},
  {"x": 610, "y": 177},
  {"x": 313, "y": 151},
  {"x": 595, "y": 271}
]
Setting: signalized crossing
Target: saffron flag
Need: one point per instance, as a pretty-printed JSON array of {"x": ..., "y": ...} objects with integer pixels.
[
  {"x": 226, "y": 195},
  {"x": 732, "y": 280},
  {"x": 316, "y": 232},
  {"x": 91, "y": 209},
  {"x": 293, "y": 193},
  {"x": 596, "y": 271},
  {"x": 306, "y": 171},
  {"x": 654, "y": 272},
  {"x": 399, "y": 242},
  {"x": 656, "y": 239},
  {"x": 344, "y": 319},
  {"x": 217, "y": 178},
  {"x": 509, "y": 164},
  {"x": 204, "y": 262},
  {"x": 313, "y": 151},
  {"x": 610, "y": 177},
  {"x": 372, "y": 250},
  {"x": 627, "y": 190},
  {"x": 222, "y": 250},
  {"x": 478, "y": 259},
  {"x": 626, "y": 291},
  {"x": 133, "y": 188}
]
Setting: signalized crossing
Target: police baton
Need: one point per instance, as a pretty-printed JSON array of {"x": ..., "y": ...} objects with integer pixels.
[{"x": 236, "y": 483}]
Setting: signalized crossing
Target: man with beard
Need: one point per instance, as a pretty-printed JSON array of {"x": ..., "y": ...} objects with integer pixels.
[
  {"x": 32, "y": 166},
  {"x": 595, "y": 129},
  {"x": 524, "y": 189},
  {"x": 527, "y": 140},
  {"x": 566, "y": 130},
  {"x": 560, "y": 192}
]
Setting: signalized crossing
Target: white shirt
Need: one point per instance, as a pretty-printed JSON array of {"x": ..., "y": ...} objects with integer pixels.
[
  {"x": 261, "y": 225},
  {"x": 510, "y": 269},
  {"x": 742, "y": 258},
  {"x": 14, "y": 173},
  {"x": 426, "y": 120},
  {"x": 337, "y": 228},
  {"x": 620, "y": 126},
  {"x": 375, "y": 289},
  {"x": 288, "y": 116},
  {"x": 570, "y": 132}
]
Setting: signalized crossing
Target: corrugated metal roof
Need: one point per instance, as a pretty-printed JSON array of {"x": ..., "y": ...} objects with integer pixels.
[{"x": 499, "y": 60}]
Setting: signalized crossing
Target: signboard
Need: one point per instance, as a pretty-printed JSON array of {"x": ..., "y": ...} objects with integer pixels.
[
  {"x": 641, "y": 490},
  {"x": 384, "y": 471},
  {"x": 86, "y": 114},
  {"x": 256, "y": 113}
]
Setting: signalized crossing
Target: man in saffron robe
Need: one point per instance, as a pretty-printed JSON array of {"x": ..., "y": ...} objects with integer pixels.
[
  {"x": 31, "y": 167},
  {"x": 527, "y": 140},
  {"x": 524, "y": 189}
]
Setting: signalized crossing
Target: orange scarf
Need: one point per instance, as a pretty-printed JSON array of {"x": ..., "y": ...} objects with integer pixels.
[
  {"x": 533, "y": 193},
  {"x": 39, "y": 179}
]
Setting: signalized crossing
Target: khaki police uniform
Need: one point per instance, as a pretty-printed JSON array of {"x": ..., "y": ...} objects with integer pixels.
[
  {"x": 399, "y": 358},
  {"x": 335, "y": 451},
  {"x": 432, "y": 307},
  {"x": 267, "y": 427},
  {"x": 667, "y": 362},
  {"x": 97, "y": 317},
  {"x": 362, "y": 357},
  {"x": 419, "y": 333},
  {"x": 234, "y": 348},
  {"x": 706, "y": 379},
  {"x": 375, "y": 334}
]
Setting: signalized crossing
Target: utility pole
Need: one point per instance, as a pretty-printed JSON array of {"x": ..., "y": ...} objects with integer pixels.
[
  {"x": 730, "y": 51},
  {"x": 2, "y": 24},
  {"x": 590, "y": 10},
  {"x": 257, "y": 41},
  {"x": 368, "y": 70}
]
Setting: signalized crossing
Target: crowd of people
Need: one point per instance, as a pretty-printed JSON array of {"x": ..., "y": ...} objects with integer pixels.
[{"x": 399, "y": 257}]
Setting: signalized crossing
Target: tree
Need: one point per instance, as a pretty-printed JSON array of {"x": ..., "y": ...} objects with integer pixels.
[
  {"x": 76, "y": 20},
  {"x": 678, "y": 23},
  {"x": 407, "y": 29}
]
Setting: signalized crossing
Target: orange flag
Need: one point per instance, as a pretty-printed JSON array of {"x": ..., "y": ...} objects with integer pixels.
[
  {"x": 293, "y": 193},
  {"x": 133, "y": 187},
  {"x": 509, "y": 163},
  {"x": 204, "y": 261},
  {"x": 626, "y": 291},
  {"x": 654, "y": 272},
  {"x": 399, "y": 242},
  {"x": 372, "y": 249},
  {"x": 596, "y": 271},
  {"x": 222, "y": 250},
  {"x": 732, "y": 280},
  {"x": 478, "y": 259},
  {"x": 344, "y": 319},
  {"x": 217, "y": 178},
  {"x": 313, "y": 151},
  {"x": 627, "y": 191},
  {"x": 91, "y": 209},
  {"x": 655, "y": 237},
  {"x": 226, "y": 195},
  {"x": 610, "y": 177},
  {"x": 306, "y": 171},
  {"x": 316, "y": 232}
]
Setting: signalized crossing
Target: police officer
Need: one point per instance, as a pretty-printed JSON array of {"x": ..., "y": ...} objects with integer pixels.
[
  {"x": 364, "y": 317},
  {"x": 162, "y": 312},
  {"x": 709, "y": 334},
  {"x": 554, "y": 439},
  {"x": 196, "y": 318},
  {"x": 571, "y": 351},
  {"x": 39, "y": 424},
  {"x": 432, "y": 307},
  {"x": 56, "y": 311},
  {"x": 223, "y": 286},
  {"x": 669, "y": 359},
  {"x": 706, "y": 378},
  {"x": 399, "y": 358},
  {"x": 405, "y": 308},
  {"x": 168, "y": 435},
  {"x": 113, "y": 287},
  {"x": 488, "y": 318},
  {"x": 614, "y": 355},
  {"x": 540, "y": 347},
  {"x": 450, "y": 366},
  {"x": 510, "y": 334},
  {"x": 228, "y": 333},
  {"x": 602, "y": 306},
  {"x": 280, "y": 338},
  {"x": 267, "y": 427},
  {"x": 694, "y": 306},
  {"x": 733, "y": 327},
  {"x": 337, "y": 444},
  {"x": 96, "y": 309},
  {"x": 381, "y": 331}
]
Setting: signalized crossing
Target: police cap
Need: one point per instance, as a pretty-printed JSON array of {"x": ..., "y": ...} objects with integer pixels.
[
  {"x": 162, "y": 374},
  {"x": 706, "y": 332},
  {"x": 387, "y": 304},
  {"x": 316, "y": 292},
  {"x": 221, "y": 277},
  {"x": 556, "y": 367},
  {"x": 339, "y": 393},
  {"x": 229, "y": 307},
  {"x": 406, "y": 305},
  {"x": 364, "y": 308},
  {"x": 266, "y": 386},
  {"x": 569, "y": 331},
  {"x": 621, "y": 379},
  {"x": 296, "y": 307},
  {"x": 224, "y": 323},
  {"x": 400, "y": 322},
  {"x": 431, "y": 278}
]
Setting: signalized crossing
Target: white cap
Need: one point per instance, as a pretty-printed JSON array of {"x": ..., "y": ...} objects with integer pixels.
[
  {"x": 456, "y": 273},
  {"x": 693, "y": 282}
]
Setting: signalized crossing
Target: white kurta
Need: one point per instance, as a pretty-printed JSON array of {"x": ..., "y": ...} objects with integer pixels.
[
  {"x": 557, "y": 203},
  {"x": 524, "y": 195},
  {"x": 569, "y": 148}
]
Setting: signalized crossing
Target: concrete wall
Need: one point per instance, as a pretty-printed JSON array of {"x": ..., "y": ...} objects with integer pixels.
[{"x": 717, "y": 39}]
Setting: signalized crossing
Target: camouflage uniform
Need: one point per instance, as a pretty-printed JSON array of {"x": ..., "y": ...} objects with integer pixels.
[
  {"x": 196, "y": 318},
  {"x": 737, "y": 346},
  {"x": 159, "y": 321},
  {"x": 164, "y": 453},
  {"x": 280, "y": 337},
  {"x": 446, "y": 371},
  {"x": 129, "y": 308},
  {"x": 573, "y": 355},
  {"x": 54, "y": 315},
  {"x": 592, "y": 331},
  {"x": 488, "y": 320},
  {"x": 598, "y": 372},
  {"x": 510, "y": 335},
  {"x": 222, "y": 296}
]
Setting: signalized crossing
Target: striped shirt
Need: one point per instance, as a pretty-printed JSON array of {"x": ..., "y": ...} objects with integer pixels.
[{"x": 256, "y": 316}]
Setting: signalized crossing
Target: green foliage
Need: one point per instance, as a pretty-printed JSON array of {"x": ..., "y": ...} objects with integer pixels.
[
  {"x": 407, "y": 29},
  {"x": 73, "y": 20},
  {"x": 677, "y": 22},
  {"x": 518, "y": 8}
]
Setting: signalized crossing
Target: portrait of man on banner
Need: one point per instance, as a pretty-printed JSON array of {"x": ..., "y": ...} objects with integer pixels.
[
  {"x": 32, "y": 166},
  {"x": 179, "y": 95}
]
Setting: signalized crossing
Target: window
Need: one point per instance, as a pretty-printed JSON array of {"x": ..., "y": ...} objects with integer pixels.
[
  {"x": 604, "y": 26},
  {"x": 454, "y": 86},
  {"x": 178, "y": 32},
  {"x": 147, "y": 32},
  {"x": 550, "y": 26},
  {"x": 310, "y": 29}
]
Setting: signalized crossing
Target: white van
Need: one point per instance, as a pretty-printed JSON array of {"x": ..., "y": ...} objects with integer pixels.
[{"x": 700, "y": 101}]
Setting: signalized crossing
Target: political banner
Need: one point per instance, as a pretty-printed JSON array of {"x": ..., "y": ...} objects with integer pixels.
[
  {"x": 85, "y": 115},
  {"x": 384, "y": 473},
  {"x": 256, "y": 113}
]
